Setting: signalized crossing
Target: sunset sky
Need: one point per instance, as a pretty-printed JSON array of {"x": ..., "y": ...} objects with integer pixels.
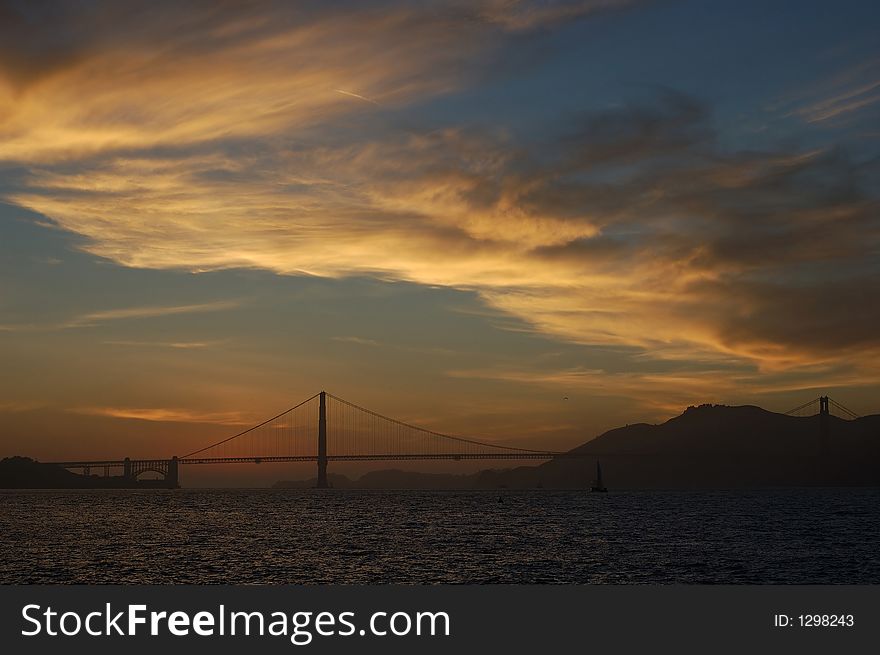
[{"x": 456, "y": 213}]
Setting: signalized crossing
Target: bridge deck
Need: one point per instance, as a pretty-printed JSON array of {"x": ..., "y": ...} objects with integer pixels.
[
  {"x": 370, "y": 458},
  {"x": 330, "y": 458}
]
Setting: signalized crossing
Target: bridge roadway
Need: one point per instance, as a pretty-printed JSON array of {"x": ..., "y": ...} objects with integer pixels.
[
  {"x": 169, "y": 468},
  {"x": 314, "y": 458}
]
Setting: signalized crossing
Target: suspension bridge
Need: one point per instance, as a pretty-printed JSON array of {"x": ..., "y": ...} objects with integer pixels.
[{"x": 326, "y": 428}]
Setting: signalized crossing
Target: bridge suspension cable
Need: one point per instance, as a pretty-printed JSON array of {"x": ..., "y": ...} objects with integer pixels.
[
  {"x": 816, "y": 403},
  {"x": 403, "y": 436},
  {"x": 253, "y": 428},
  {"x": 800, "y": 408},
  {"x": 843, "y": 410}
]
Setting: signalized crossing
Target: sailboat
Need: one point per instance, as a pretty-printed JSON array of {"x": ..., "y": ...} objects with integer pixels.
[{"x": 598, "y": 485}]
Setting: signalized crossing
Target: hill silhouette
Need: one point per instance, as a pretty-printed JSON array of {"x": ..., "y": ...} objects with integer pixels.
[
  {"x": 720, "y": 446},
  {"x": 26, "y": 473},
  {"x": 745, "y": 429}
]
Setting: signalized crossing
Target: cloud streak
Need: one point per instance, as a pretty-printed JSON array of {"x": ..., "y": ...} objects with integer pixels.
[
  {"x": 92, "y": 319},
  {"x": 164, "y": 415},
  {"x": 176, "y": 345},
  {"x": 848, "y": 96},
  {"x": 155, "y": 311}
]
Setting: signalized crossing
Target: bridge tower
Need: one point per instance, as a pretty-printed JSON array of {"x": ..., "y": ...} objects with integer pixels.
[
  {"x": 824, "y": 425},
  {"x": 127, "y": 472},
  {"x": 322, "y": 441},
  {"x": 172, "y": 477}
]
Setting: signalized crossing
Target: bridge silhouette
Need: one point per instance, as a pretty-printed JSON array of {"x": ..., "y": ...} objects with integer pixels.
[{"x": 326, "y": 428}]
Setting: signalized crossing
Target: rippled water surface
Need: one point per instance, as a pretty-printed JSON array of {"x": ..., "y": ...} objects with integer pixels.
[{"x": 311, "y": 537}]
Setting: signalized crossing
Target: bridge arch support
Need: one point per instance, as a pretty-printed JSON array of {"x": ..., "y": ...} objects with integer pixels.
[{"x": 168, "y": 468}]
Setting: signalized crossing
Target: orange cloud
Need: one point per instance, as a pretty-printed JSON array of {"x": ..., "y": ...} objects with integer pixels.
[{"x": 166, "y": 415}]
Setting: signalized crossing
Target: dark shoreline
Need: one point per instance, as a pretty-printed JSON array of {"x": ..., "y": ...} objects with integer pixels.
[{"x": 27, "y": 473}]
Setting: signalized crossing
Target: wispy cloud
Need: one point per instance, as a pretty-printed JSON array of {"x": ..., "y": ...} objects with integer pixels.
[
  {"x": 165, "y": 414},
  {"x": 48, "y": 261},
  {"x": 847, "y": 102},
  {"x": 838, "y": 98},
  {"x": 358, "y": 96},
  {"x": 178, "y": 345},
  {"x": 150, "y": 311},
  {"x": 357, "y": 340},
  {"x": 92, "y": 319}
]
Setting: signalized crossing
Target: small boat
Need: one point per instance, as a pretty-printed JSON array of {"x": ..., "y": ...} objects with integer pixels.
[{"x": 598, "y": 486}]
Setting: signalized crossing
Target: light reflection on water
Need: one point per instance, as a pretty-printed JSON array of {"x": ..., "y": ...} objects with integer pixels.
[{"x": 335, "y": 536}]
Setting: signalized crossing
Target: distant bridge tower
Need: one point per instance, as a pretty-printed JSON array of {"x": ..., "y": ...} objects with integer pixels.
[
  {"x": 172, "y": 477},
  {"x": 322, "y": 441},
  {"x": 824, "y": 425}
]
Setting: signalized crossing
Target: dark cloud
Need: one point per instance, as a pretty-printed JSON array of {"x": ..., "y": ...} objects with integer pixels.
[
  {"x": 674, "y": 124},
  {"x": 829, "y": 316},
  {"x": 31, "y": 44},
  {"x": 40, "y": 37},
  {"x": 785, "y": 242}
]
